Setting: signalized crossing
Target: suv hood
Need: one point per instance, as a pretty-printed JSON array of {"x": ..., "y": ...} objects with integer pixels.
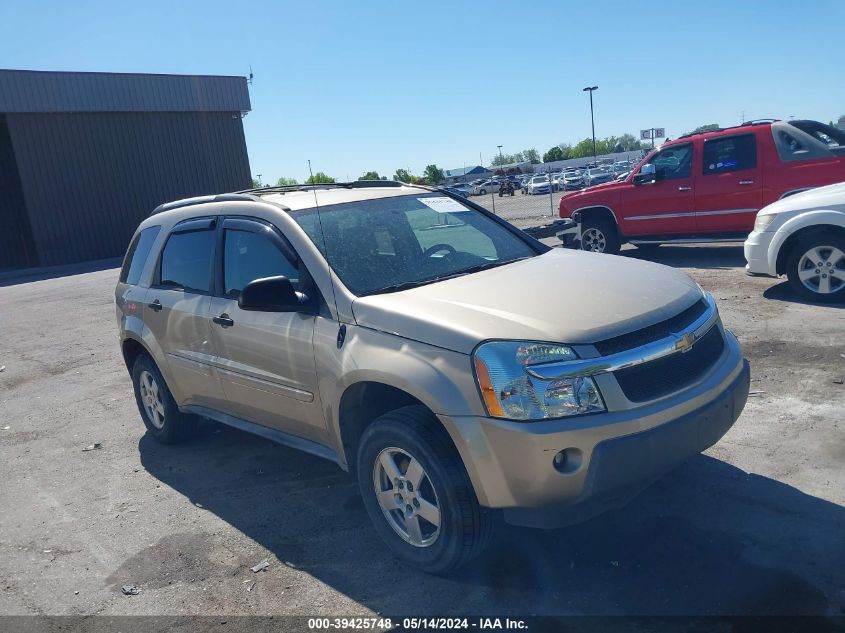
[{"x": 562, "y": 296}]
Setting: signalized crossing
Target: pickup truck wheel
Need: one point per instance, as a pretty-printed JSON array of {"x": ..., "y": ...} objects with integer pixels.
[
  {"x": 159, "y": 410},
  {"x": 417, "y": 492},
  {"x": 816, "y": 269},
  {"x": 599, "y": 236}
]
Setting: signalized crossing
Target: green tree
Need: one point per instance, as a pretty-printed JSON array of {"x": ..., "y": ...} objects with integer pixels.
[
  {"x": 285, "y": 182},
  {"x": 370, "y": 175},
  {"x": 403, "y": 175},
  {"x": 531, "y": 155},
  {"x": 708, "y": 127},
  {"x": 555, "y": 153},
  {"x": 319, "y": 178},
  {"x": 630, "y": 143},
  {"x": 434, "y": 174}
]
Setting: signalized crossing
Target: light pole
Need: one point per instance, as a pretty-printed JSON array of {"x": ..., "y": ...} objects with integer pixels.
[{"x": 592, "y": 119}]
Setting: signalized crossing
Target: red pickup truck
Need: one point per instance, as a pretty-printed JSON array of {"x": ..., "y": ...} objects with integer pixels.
[{"x": 707, "y": 187}]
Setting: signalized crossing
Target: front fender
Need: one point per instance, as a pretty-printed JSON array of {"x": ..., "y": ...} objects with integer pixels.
[
  {"x": 801, "y": 221},
  {"x": 440, "y": 379}
]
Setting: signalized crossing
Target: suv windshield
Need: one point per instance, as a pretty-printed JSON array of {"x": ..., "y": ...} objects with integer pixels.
[{"x": 391, "y": 244}]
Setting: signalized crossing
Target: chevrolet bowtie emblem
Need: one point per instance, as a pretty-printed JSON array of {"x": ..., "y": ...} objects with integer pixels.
[{"x": 684, "y": 343}]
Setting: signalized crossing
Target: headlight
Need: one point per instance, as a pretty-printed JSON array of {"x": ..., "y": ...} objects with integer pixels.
[
  {"x": 763, "y": 221},
  {"x": 510, "y": 392}
]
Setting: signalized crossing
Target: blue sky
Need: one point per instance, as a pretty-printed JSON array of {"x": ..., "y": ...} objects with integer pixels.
[{"x": 381, "y": 85}]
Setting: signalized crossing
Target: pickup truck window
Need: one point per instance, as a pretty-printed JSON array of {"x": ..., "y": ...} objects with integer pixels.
[
  {"x": 832, "y": 137},
  {"x": 673, "y": 162},
  {"x": 389, "y": 244},
  {"x": 729, "y": 153}
]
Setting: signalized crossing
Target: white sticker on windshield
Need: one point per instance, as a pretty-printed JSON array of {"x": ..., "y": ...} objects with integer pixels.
[{"x": 442, "y": 204}]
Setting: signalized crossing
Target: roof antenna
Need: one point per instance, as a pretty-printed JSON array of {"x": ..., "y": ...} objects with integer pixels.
[{"x": 341, "y": 332}]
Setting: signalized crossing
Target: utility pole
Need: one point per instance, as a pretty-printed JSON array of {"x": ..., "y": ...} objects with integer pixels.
[{"x": 592, "y": 119}]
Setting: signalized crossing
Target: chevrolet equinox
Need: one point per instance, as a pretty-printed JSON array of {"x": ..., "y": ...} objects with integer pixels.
[{"x": 461, "y": 370}]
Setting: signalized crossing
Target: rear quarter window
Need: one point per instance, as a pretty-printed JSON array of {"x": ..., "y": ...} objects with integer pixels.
[{"x": 136, "y": 256}]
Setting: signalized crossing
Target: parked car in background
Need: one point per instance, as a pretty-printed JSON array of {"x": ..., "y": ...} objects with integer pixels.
[
  {"x": 429, "y": 348},
  {"x": 803, "y": 237},
  {"x": 710, "y": 186},
  {"x": 538, "y": 184},
  {"x": 572, "y": 181},
  {"x": 463, "y": 192},
  {"x": 597, "y": 176},
  {"x": 462, "y": 189},
  {"x": 485, "y": 187}
]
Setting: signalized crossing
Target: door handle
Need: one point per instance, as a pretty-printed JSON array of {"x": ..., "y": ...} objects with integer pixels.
[
  {"x": 155, "y": 306},
  {"x": 746, "y": 182},
  {"x": 684, "y": 188},
  {"x": 223, "y": 320}
]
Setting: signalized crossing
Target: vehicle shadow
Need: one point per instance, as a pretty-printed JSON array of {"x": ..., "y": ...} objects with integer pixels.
[
  {"x": 783, "y": 292},
  {"x": 717, "y": 257},
  {"x": 27, "y": 275},
  {"x": 706, "y": 539}
]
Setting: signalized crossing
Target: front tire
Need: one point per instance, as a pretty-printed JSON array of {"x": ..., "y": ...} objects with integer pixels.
[
  {"x": 158, "y": 409},
  {"x": 417, "y": 492},
  {"x": 599, "y": 235},
  {"x": 816, "y": 268}
]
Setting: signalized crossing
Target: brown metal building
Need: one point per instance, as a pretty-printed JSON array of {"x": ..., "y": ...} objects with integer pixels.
[{"x": 84, "y": 157}]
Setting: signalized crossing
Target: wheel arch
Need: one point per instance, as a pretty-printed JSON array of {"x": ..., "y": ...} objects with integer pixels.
[
  {"x": 360, "y": 405},
  {"x": 131, "y": 348},
  {"x": 799, "y": 228},
  {"x": 598, "y": 210}
]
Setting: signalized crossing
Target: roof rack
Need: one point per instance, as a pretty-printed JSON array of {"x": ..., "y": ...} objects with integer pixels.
[
  {"x": 220, "y": 197},
  {"x": 252, "y": 195},
  {"x": 355, "y": 184}
]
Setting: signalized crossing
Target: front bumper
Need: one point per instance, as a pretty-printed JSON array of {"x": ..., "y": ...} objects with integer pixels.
[
  {"x": 756, "y": 250},
  {"x": 621, "y": 452}
]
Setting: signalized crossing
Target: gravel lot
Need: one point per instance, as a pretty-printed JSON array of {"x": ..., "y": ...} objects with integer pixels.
[{"x": 754, "y": 526}]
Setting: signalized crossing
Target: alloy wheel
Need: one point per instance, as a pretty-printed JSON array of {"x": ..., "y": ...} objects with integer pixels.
[
  {"x": 822, "y": 269},
  {"x": 593, "y": 240},
  {"x": 406, "y": 497},
  {"x": 151, "y": 399}
]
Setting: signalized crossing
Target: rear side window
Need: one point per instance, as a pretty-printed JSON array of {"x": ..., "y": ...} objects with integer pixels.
[
  {"x": 732, "y": 153},
  {"x": 187, "y": 260},
  {"x": 137, "y": 255}
]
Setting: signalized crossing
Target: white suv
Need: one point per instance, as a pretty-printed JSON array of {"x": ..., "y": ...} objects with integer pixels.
[{"x": 803, "y": 237}]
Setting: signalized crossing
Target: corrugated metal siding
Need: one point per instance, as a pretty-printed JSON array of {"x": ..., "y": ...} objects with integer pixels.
[
  {"x": 89, "y": 179},
  {"x": 40, "y": 91},
  {"x": 16, "y": 246}
]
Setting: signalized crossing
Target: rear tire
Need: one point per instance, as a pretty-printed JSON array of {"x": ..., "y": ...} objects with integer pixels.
[
  {"x": 411, "y": 440},
  {"x": 158, "y": 409},
  {"x": 599, "y": 235},
  {"x": 824, "y": 283}
]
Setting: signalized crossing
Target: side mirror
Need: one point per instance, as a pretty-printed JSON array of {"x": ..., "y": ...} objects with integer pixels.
[
  {"x": 272, "y": 294},
  {"x": 646, "y": 174}
]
